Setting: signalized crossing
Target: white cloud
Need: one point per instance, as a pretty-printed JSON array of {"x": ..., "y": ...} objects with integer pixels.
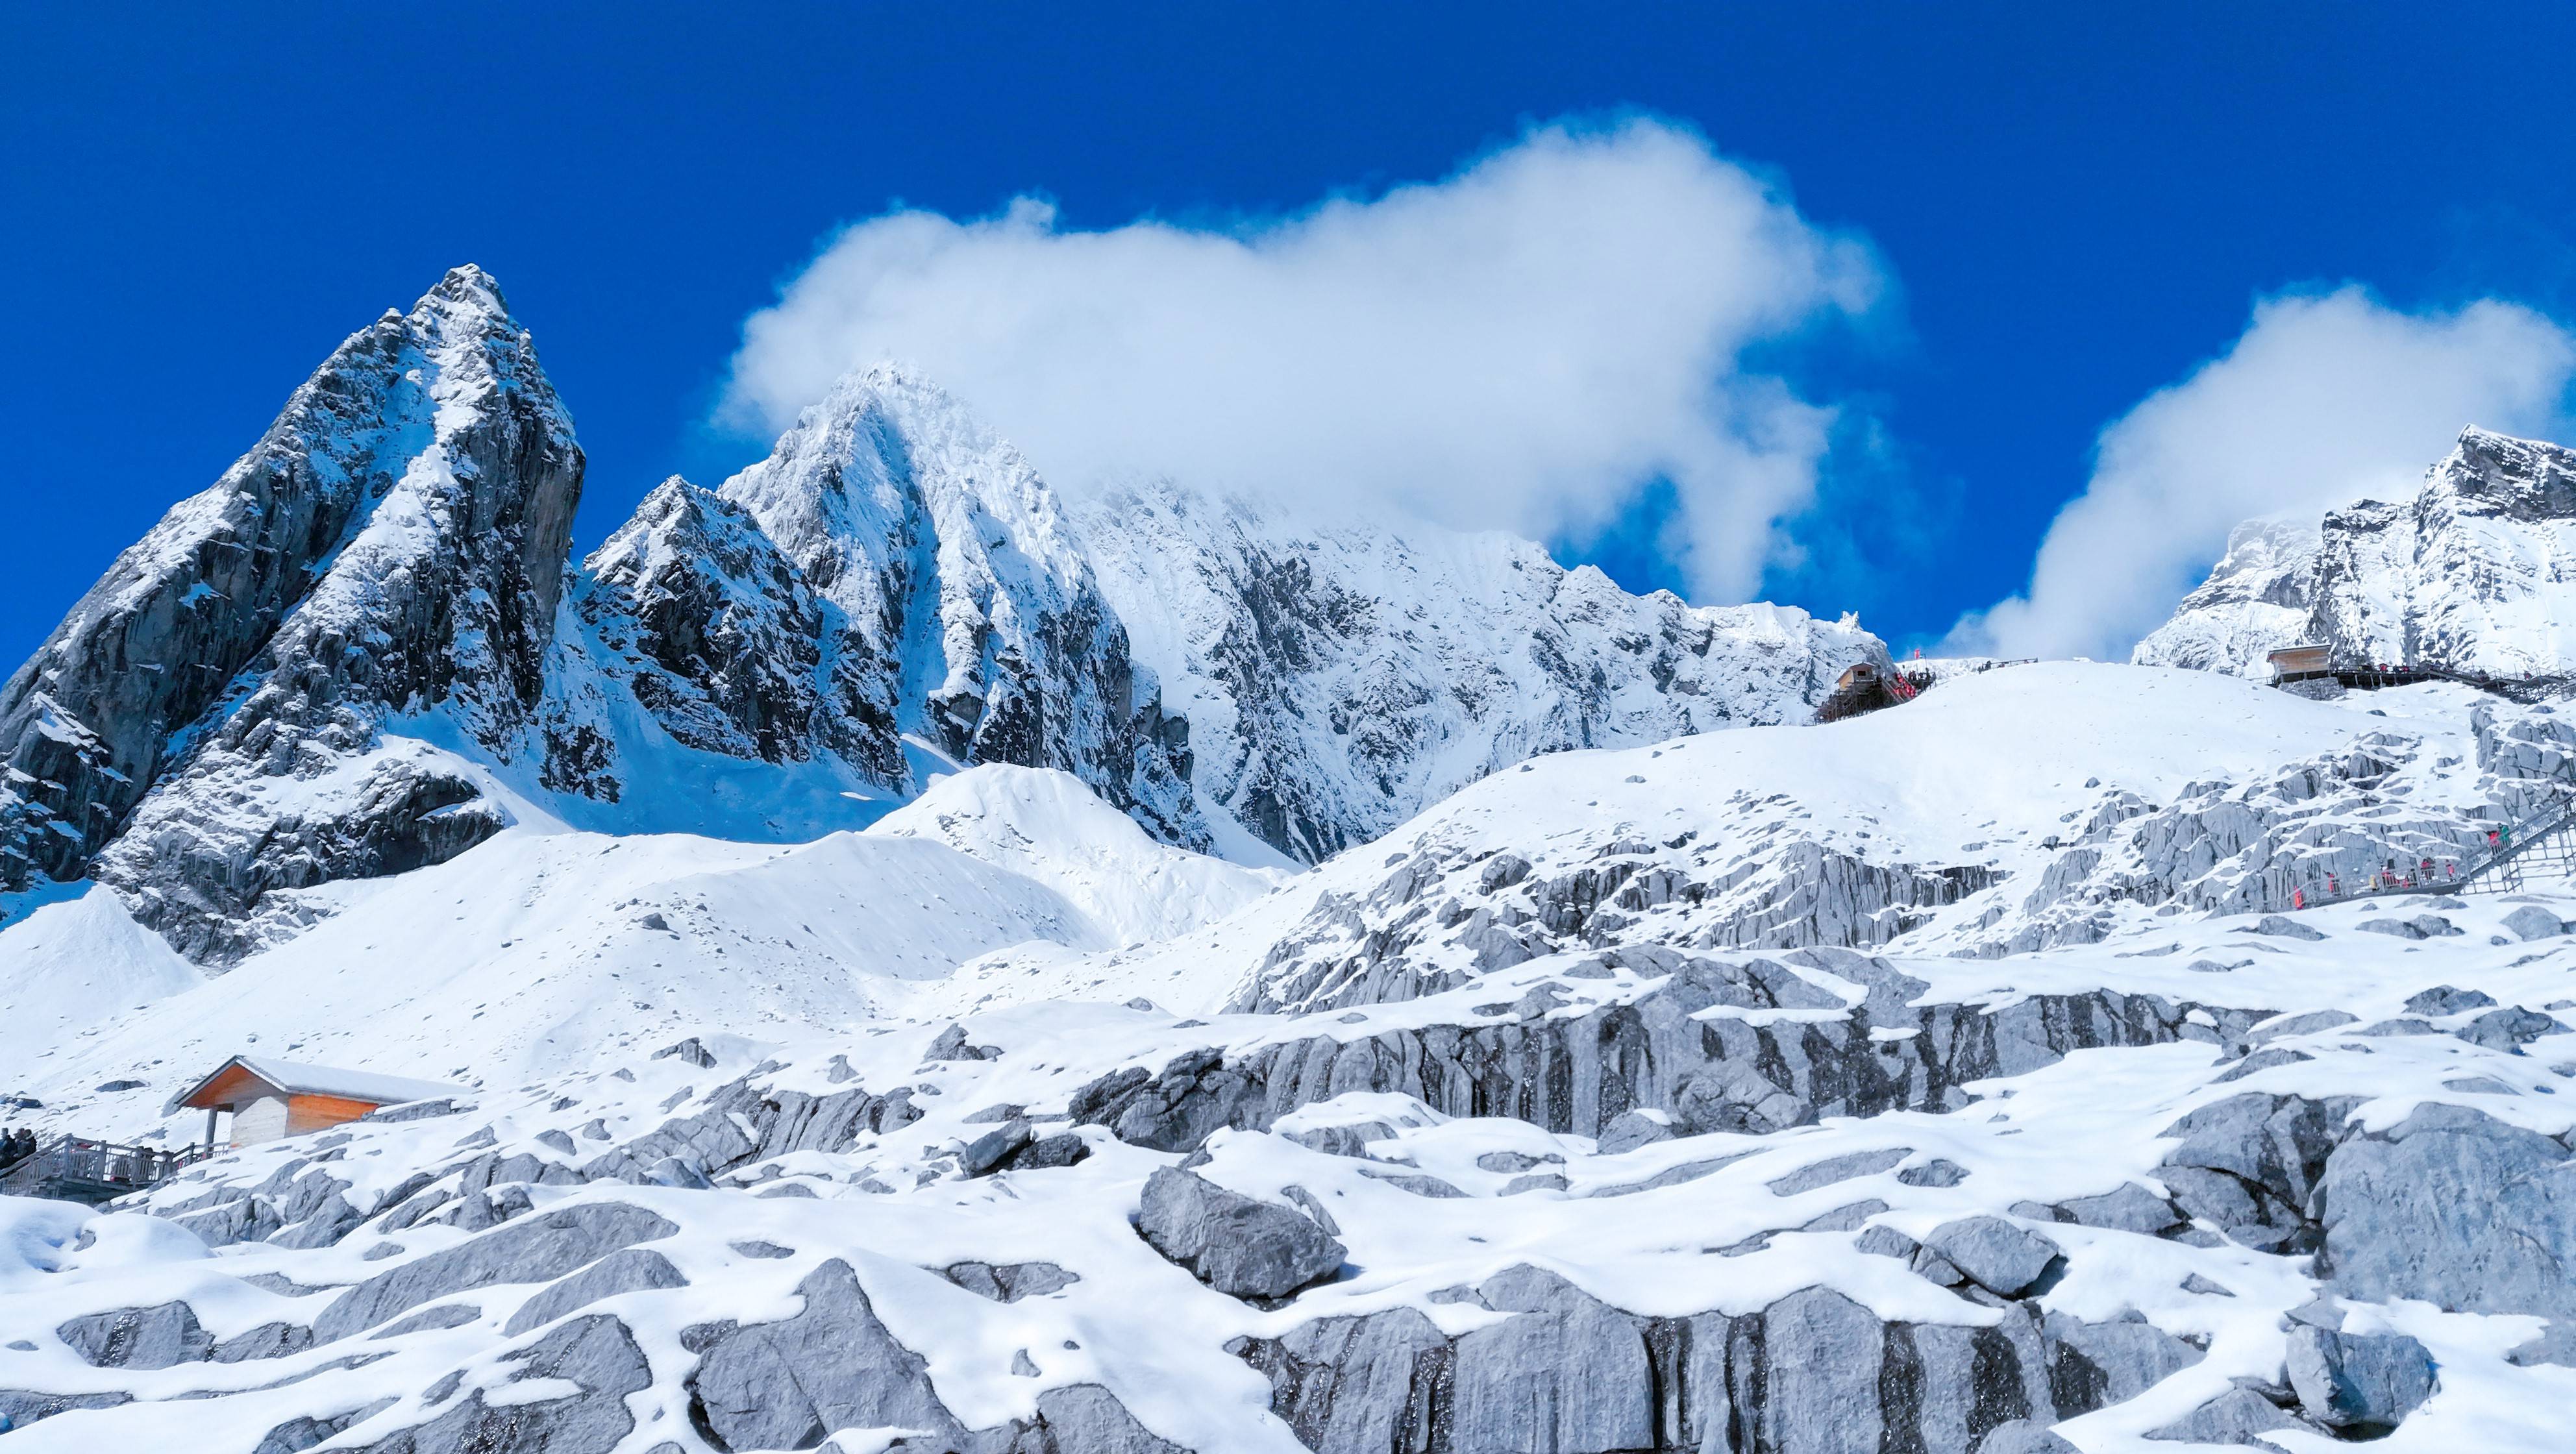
[
  {"x": 1524, "y": 344},
  {"x": 2325, "y": 399}
]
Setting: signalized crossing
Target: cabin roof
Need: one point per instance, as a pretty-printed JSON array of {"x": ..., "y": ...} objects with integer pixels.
[{"x": 224, "y": 1085}]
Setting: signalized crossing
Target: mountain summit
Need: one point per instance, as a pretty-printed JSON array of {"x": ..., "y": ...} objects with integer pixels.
[{"x": 364, "y": 649}]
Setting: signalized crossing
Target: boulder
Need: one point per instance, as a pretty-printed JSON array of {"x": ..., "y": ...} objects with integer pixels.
[
  {"x": 787, "y": 1384},
  {"x": 1241, "y": 1247},
  {"x": 2534, "y": 922},
  {"x": 2238, "y": 1416},
  {"x": 2358, "y": 1382},
  {"x": 1993, "y": 1253},
  {"x": 2456, "y": 1208},
  {"x": 154, "y": 1337}
]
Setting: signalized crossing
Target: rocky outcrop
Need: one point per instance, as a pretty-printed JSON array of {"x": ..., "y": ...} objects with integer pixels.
[
  {"x": 394, "y": 544},
  {"x": 2458, "y": 1209},
  {"x": 539, "y": 1249},
  {"x": 1813, "y": 1373},
  {"x": 596, "y": 1355},
  {"x": 1580, "y": 1073},
  {"x": 1241, "y": 1246}
]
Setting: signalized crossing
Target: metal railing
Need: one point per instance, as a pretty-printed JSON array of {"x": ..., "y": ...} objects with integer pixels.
[
  {"x": 83, "y": 1168},
  {"x": 2542, "y": 842}
]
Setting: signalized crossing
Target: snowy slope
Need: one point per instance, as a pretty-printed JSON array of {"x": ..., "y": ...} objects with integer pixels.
[
  {"x": 1047, "y": 826},
  {"x": 554, "y": 950},
  {"x": 2004, "y": 811}
]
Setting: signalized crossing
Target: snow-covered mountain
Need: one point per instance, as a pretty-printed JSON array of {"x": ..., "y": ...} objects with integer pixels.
[
  {"x": 849, "y": 1050},
  {"x": 1614, "y": 1105},
  {"x": 2256, "y": 601},
  {"x": 203, "y": 728},
  {"x": 1339, "y": 678},
  {"x": 2476, "y": 574},
  {"x": 358, "y": 650}
]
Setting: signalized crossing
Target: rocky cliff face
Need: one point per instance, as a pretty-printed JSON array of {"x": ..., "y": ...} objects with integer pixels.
[
  {"x": 199, "y": 730},
  {"x": 1340, "y": 678},
  {"x": 963, "y": 596},
  {"x": 2476, "y": 573}
]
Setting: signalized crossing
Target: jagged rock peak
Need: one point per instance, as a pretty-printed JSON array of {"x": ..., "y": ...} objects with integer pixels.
[
  {"x": 959, "y": 590},
  {"x": 393, "y": 544},
  {"x": 2475, "y": 572}
]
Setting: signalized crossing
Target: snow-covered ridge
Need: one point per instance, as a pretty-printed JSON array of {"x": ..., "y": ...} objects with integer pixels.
[
  {"x": 2476, "y": 573},
  {"x": 1339, "y": 678}
]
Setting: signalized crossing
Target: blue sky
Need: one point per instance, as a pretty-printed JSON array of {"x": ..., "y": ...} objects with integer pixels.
[{"x": 2064, "y": 213}]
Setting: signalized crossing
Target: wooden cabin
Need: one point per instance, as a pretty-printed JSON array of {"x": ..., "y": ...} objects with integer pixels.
[
  {"x": 2298, "y": 663},
  {"x": 270, "y": 1099}
]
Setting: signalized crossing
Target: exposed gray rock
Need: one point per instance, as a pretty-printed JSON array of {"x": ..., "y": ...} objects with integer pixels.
[
  {"x": 1011, "y": 1281},
  {"x": 1582, "y": 1074},
  {"x": 2456, "y": 1208},
  {"x": 268, "y": 1340},
  {"x": 1630, "y": 1130},
  {"x": 1839, "y": 1168},
  {"x": 1569, "y": 1373},
  {"x": 1814, "y": 1373},
  {"x": 20, "y": 1407},
  {"x": 2022, "y": 1436},
  {"x": 155, "y": 1337},
  {"x": 540, "y": 1249},
  {"x": 2534, "y": 922},
  {"x": 2238, "y": 1416},
  {"x": 2358, "y": 1382},
  {"x": 632, "y": 1270},
  {"x": 2444, "y": 1000},
  {"x": 2115, "y": 1361},
  {"x": 2303, "y": 1024},
  {"x": 1995, "y": 1254},
  {"x": 785, "y": 1385},
  {"x": 2284, "y": 927},
  {"x": 2250, "y": 1163},
  {"x": 304, "y": 1431},
  {"x": 596, "y": 1354},
  {"x": 1241, "y": 1247},
  {"x": 2131, "y": 1208},
  {"x": 2508, "y": 1030}
]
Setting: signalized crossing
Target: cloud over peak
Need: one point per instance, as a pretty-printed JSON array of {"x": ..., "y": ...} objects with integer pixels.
[
  {"x": 2327, "y": 397},
  {"x": 1528, "y": 343}
]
